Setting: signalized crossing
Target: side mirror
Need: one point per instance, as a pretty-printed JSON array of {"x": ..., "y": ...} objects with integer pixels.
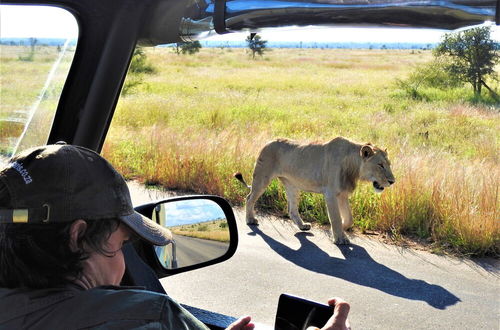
[
  {"x": 199, "y": 229},
  {"x": 203, "y": 229}
]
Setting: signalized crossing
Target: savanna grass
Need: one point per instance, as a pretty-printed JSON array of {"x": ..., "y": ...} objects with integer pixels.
[
  {"x": 201, "y": 118},
  {"x": 27, "y": 86}
]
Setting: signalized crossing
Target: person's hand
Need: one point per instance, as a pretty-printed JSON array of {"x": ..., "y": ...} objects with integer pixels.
[
  {"x": 339, "y": 319},
  {"x": 243, "y": 323}
]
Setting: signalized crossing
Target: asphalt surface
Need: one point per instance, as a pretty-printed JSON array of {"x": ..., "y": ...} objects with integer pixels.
[
  {"x": 388, "y": 287},
  {"x": 192, "y": 250}
]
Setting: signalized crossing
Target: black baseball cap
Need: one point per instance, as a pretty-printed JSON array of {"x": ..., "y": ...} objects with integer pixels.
[{"x": 62, "y": 183}]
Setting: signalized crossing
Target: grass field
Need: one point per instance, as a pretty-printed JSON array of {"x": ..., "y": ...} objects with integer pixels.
[
  {"x": 201, "y": 118},
  {"x": 25, "y": 86},
  {"x": 211, "y": 230}
]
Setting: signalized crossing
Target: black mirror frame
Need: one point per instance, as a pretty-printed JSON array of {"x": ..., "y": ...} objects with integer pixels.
[{"x": 146, "y": 250}]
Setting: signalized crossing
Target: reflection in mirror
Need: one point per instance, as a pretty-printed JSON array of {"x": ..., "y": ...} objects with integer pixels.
[{"x": 199, "y": 228}]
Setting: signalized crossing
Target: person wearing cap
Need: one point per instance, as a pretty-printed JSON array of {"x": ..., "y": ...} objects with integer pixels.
[{"x": 65, "y": 214}]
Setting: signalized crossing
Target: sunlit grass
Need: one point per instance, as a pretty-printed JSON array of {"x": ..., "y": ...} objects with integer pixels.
[
  {"x": 211, "y": 230},
  {"x": 21, "y": 86},
  {"x": 201, "y": 118},
  {"x": 453, "y": 202}
]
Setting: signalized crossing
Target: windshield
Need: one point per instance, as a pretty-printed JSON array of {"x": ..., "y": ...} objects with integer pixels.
[
  {"x": 192, "y": 114},
  {"x": 35, "y": 56}
]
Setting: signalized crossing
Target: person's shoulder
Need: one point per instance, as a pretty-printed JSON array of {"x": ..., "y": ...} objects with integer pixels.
[
  {"x": 104, "y": 304},
  {"x": 74, "y": 308},
  {"x": 111, "y": 290},
  {"x": 123, "y": 298},
  {"x": 126, "y": 304}
]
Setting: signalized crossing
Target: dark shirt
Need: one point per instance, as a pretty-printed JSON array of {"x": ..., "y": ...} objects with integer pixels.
[{"x": 98, "y": 308}]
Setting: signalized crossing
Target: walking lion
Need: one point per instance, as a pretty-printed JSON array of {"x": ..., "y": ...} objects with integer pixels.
[{"x": 332, "y": 169}]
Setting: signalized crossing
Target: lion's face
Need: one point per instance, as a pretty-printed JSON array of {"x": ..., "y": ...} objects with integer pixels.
[{"x": 376, "y": 167}]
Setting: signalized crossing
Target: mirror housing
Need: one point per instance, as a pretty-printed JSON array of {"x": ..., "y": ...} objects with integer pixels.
[{"x": 202, "y": 213}]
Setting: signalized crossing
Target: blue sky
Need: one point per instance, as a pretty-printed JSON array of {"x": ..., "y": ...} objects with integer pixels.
[
  {"x": 192, "y": 211},
  {"x": 16, "y": 21}
]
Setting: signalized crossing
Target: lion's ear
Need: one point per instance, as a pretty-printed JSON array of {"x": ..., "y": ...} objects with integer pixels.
[{"x": 366, "y": 151}]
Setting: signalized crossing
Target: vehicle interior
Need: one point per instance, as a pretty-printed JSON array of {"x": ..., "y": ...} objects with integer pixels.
[{"x": 110, "y": 31}]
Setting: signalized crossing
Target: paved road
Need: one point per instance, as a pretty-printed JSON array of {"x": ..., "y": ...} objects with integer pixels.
[
  {"x": 388, "y": 287},
  {"x": 192, "y": 250}
]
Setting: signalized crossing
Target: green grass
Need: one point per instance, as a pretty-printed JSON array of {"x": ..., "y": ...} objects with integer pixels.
[
  {"x": 212, "y": 230},
  {"x": 23, "y": 76},
  {"x": 201, "y": 118}
]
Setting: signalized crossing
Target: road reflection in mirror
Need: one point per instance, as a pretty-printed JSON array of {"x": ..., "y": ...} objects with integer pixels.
[{"x": 199, "y": 228}]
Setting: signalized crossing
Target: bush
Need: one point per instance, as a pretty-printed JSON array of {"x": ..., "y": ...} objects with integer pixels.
[
  {"x": 202, "y": 227},
  {"x": 256, "y": 44},
  {"x": 140, "y": 64},
  {"x": 189, "y": 48},
  {"x": 131, "y": 84},
  {"x": 431, "y": 74}
]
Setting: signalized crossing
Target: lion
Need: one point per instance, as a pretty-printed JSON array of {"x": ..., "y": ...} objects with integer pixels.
[{"x": 332, "y": 169}]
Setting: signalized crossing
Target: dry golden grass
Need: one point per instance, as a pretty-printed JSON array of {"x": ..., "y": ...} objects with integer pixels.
[
  {"x": 207, "y": 230},
  {"x": 219, "y": 236},
  {"x": 201, "y": 118},
  {"x": 28, "y": 85},
  {"x": 454, "y": 203}
]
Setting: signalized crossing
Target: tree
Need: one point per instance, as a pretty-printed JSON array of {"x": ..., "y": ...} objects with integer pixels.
[
  {"x": 140, "y": 64},
  {"x": 31, "y": 56},
  {"x": 177, "y": 48},
  {"x": 187, "y": 47},
  {"x": 471, "y": 56},
  {"x": 33, "y": 42},
  {"x": 256, "y": 44}
]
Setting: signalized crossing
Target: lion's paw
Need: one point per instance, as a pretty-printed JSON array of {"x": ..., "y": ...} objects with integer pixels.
[
  {"x": 342, "y": 241},
  {"x": 305, "y": 226},
  {"x": 253, "y": 222}
]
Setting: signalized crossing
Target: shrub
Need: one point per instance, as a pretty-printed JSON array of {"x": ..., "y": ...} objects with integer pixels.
[
  {"x": 431, "y": 74},
  {"x": 140, "y": 63}
]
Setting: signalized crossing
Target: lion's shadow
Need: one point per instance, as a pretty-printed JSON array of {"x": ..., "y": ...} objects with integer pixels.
[{"x": 359, "y": 267}]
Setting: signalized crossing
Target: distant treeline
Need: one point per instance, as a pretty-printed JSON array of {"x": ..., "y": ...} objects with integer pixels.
[
  {"x": 243, "y": 44},
  {"x": 39, "y": 41},
  {"x": 321, "y": 45}
]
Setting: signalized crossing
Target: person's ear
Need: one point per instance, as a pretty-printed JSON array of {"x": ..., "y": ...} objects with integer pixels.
[{"x": 76, "y": 231}]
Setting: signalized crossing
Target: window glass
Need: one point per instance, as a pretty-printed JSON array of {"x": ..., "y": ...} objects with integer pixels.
[
  {"x": 37, "y": 45},
  {"x": 189, "y": 118}
]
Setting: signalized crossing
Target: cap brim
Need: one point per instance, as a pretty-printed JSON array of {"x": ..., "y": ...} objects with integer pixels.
[{"x": 147, "y": 229}]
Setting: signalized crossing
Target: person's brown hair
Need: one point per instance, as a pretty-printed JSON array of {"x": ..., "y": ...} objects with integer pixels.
[{"x": 38, "y": 255}]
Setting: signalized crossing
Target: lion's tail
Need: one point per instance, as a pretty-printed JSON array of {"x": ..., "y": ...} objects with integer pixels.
[{"x": 239, "y": 177}]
